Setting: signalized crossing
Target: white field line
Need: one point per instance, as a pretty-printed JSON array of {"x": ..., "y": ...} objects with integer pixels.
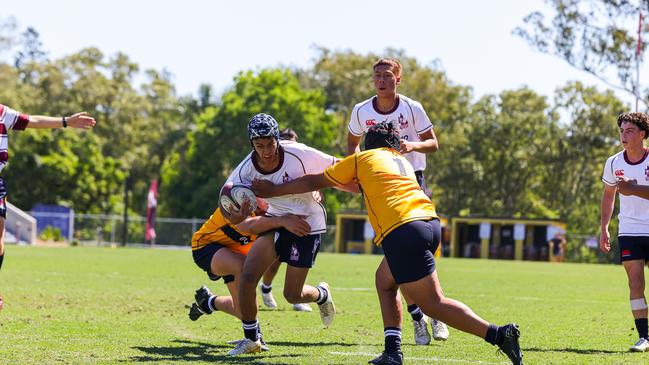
[
  {"x": 431, "y": 359},
  {"x": 525, "y": 298}
]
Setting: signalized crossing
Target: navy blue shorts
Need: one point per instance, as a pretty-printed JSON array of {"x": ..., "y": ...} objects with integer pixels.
[
  {"x": 409, "y": 250},
  {"x": 634, "y": 248},
  {"x": 203, "y": 259},
  {"x": 422, "y": 183},
  {"x": 296, "y": 251},
  {"x": 3, "y": 198}
]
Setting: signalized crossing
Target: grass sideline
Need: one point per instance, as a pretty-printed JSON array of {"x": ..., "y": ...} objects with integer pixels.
[{"x": 99, "y": 305}]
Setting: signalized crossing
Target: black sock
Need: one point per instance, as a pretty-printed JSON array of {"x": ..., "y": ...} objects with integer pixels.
[
  {"x": 266, "y": 288},
  {"x": 642, "y": 327},
  {"x": 251, "y": 329},
  {"x": 392, "y": 339},
  {"x": 493, "y": 335},
  {"x": 322, "y": 297},
  {"x": 415, "y": 312},
  {"x": 1, "y": 258}
]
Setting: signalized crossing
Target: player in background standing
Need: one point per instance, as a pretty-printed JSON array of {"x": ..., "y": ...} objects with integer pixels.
[
  {"x": 408, "y": 229},
  {"x": 281, "y": 161},
  {"x": 417, "y": 139},
  {"x": 12, "y": 120},
  {"x": 633, "y": 233},
  {"x": 266, "y": 286}
]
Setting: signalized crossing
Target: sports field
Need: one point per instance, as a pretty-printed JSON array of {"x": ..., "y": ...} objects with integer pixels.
[{"x": 99, "y": 305}]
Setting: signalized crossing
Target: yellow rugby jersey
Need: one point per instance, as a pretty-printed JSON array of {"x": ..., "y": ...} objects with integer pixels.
[
  {"x": 390, "y": 189},
  {"x": 218, "y": 230}
]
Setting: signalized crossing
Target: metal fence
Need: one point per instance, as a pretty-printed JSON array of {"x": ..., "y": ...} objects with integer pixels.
[{"x": 107, "y": 230}]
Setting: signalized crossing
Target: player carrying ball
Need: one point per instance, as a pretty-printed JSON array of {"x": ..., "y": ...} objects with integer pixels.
[{"x": 281, "y": 161}]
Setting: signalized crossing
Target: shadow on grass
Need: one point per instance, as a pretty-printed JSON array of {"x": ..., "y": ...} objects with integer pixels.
[
  {"x": 575, "y": 351},
  {"x": 200, "y": 351},
  {"x": 308, "y": 344}
]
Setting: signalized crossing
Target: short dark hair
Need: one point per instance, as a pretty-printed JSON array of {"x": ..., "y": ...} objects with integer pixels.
[
  {"x": 392, "y": 62},
  {"x": 288, "y": 134},
  {"x": 641, "y": 120},
  {"x": 383, "y": 134}
]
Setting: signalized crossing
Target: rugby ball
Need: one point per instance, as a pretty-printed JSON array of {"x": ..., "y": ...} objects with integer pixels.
[{"x": 233, "y": 195}]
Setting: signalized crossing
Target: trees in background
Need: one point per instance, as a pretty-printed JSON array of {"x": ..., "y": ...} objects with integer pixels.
[
  {"x": 513, "y": 154},
  {"x": 599, "y": 37}
]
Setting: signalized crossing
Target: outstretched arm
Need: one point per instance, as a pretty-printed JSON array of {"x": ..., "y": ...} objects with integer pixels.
[
  {"x": 79, "y": 120},
  {"x": 304, "y": 184}
]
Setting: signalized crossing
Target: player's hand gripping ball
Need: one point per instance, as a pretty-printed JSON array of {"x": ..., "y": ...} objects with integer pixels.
[{"x": 233, "y": 195}]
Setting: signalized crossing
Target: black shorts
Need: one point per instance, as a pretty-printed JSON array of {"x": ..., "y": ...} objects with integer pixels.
[
  {"x": 634, "y": 248},
  {"x": 422, "y": 183},
  {"x": 203, "y": 259},
  {"x": 297, "y": 251},
  {"x": 409, "y": 250},
  {"x": 3, "y": 198}
]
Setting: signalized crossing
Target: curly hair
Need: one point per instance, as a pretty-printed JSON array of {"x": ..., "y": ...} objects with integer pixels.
[
  {"x": 641, "y": 120},
  {"x": 383, "y": 134}
]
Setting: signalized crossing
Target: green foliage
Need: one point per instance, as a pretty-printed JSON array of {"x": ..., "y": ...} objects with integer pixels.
[
  {"x": 193, "y": 176},
  {"x": 51, "y": 234},
  {"x": 597, "y": 36}
]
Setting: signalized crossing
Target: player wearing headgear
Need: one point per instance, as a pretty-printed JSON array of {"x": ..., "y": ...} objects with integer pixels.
[
  {"x": 408, "y": 229},
  {"x": 220, "y": 248},
  {"x": 416, "y": 139},
  {"x": 266, "y": 286},
  {"x": 279, "y": 161}
]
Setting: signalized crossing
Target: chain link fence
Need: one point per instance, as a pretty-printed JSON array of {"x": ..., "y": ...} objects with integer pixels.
[{"x": 109, "y": 230}]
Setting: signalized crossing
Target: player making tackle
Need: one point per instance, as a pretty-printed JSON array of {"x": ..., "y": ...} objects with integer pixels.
[
  {"x": 221, "y": 245},
  {"x": 408, "y": 229},
  {"x": 279, "y": 162}
]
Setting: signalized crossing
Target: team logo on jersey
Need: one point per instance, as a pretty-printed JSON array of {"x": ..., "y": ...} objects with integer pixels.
[
  {"x": 403, "y": 123},
  {"x": 619, "y": 173},
  {"x": 626, "y": 253},
  {"x": 244, "y": 240},
  {"x": 286, "y": 178},
  {"x": 646, "y": 173},
  {"x": 370, "y": 122},
  {"x": 295, "y": 254}
]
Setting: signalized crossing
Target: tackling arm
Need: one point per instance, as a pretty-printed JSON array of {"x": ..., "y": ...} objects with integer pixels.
[
  {"x": 304, "y": 184},
  {"x": 261, "y": 224}
]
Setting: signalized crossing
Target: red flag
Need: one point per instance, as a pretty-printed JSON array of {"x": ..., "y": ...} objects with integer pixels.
[
  {"x": 639, "y": 47},
  {"x": 151, "y": 205}
]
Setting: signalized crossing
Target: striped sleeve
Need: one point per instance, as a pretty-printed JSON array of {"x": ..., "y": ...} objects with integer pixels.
[{"x": 12, "y": 119}]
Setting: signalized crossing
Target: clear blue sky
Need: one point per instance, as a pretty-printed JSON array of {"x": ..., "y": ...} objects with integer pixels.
[{"x": 210, "y": 41}]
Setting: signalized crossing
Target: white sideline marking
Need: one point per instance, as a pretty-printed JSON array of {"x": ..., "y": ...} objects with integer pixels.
[{"x": 426, "y": 359}]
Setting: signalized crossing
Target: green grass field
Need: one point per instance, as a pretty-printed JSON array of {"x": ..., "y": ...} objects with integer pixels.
[{"x": 99, "y": 305}]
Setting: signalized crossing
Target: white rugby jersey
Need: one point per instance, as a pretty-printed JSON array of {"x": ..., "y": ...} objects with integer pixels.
[
  {"x": 408, "y": 115},
  {"x": 296, "y": 160},
  {"x": 634, "y": 211},
  {"x": 9, "y": 119}
]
